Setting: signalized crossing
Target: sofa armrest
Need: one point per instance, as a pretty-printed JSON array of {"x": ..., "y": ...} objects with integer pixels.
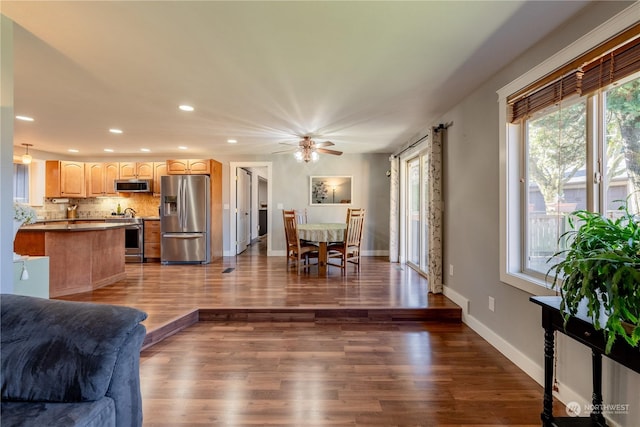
[{"x": 62, "y": 351}]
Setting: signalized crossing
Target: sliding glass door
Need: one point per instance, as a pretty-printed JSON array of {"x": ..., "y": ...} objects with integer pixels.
[{"x": 416, "y": 210}]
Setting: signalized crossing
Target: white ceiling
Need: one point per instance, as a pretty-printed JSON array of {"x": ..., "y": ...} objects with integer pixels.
[{"x": 368, "y": 76}]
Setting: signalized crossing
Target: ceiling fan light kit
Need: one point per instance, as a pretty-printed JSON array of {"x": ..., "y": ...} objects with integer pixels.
[
  {"x": 309, "y": 151},
  {"x": 306, "y": 154}
]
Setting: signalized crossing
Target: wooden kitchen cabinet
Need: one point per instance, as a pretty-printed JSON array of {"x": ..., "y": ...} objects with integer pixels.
[
  {"x": 151, "y": 238},
  {"x": 189, "y": 167},
  {"x": 100, "y": 178},
  {"x": 64, "y": 179},
  {"x": 136, "y": 170},
  {"x": 159, "y": 170}
]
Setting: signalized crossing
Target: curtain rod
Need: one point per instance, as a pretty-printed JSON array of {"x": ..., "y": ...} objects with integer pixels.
[{"x": 440, "y": 127}]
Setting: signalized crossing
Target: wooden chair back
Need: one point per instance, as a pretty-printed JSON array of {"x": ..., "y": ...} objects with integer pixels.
[
  {"x": 355, "y": 226},
  {"x": 290, "y": 229},
  {"x": 297, "y": 252}
]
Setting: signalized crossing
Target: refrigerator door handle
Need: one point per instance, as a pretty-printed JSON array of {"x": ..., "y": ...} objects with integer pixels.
[
  {"x": 182, "y": 236},
  {"x": 184, "y": 203},
  {"x": 180, "y": 203}
]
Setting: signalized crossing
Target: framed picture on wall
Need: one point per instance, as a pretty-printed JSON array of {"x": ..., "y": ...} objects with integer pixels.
[{"x": 330, "y": 190}]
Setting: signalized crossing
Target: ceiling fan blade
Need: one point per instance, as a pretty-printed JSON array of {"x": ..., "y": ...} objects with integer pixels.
[
  {"x": 324, "y": 144},
  {"x": 325, "y": 151},
  {"x": 290, "y": 150}
]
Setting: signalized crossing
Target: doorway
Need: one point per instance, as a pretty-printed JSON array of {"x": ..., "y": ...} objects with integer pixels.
[
  {"x": 243, "y": 209},
  {"x": 258, "y": 200}
]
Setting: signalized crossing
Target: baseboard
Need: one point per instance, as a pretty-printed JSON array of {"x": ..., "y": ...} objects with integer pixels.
[{"x": 530, "y": 367}]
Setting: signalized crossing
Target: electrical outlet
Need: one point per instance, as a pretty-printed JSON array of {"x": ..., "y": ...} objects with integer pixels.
[
  {"x": 450, "y": 269},
  {"x": 492, "y": 304}
]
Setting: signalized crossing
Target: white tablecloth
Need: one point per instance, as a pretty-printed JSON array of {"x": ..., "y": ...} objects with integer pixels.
[{"x": 322, "y": 232}]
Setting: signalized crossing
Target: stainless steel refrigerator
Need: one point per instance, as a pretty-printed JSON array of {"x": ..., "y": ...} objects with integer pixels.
[{"x": 185, "y": 218}]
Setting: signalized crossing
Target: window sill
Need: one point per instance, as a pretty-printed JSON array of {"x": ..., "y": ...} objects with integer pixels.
[{"x": 527, "y": 284}]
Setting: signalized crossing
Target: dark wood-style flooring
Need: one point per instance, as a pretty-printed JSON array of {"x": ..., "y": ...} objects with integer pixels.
[{"x": 245, "y": 342}]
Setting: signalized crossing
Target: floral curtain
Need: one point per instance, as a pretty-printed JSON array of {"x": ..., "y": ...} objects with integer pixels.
[
  {"x": 394, "y": 209},
  {"x": 434, "y": 203}
]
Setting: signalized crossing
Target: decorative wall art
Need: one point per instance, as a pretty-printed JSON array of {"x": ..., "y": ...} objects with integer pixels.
[{"x": 330, "y": 190}]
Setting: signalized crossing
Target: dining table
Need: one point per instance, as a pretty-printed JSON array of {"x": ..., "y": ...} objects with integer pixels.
[{"x": 323, "y": 234}]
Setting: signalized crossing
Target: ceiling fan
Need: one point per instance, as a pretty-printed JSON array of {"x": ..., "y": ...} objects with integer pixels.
[{"x": 307, "y": 149}]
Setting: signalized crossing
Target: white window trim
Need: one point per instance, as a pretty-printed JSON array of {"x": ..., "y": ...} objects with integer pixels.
[{"x": 510, "y": 248}]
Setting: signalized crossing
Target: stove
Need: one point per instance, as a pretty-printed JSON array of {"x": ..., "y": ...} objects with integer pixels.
[{"x": 133, "y": 237}]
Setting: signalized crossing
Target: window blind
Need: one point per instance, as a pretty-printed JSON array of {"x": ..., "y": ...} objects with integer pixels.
[{"x": 592, "y": 71}]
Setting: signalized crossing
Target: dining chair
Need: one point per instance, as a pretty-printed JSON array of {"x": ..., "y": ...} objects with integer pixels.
[
  {"x": 354, "y": 211},
  {"x": 301, "y": 216},
  {"x": 297, "y": 250},
  {"x": 349, "y": 249}
]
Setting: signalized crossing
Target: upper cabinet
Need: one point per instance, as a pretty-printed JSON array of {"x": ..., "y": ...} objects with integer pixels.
[
  {"x": 189, "y": 166},
  {"x": 64, "y": 179},
  {"x": 159, "y": 170},
  {"x": 100, "y": 178},
  {"x": 136, "y": 170}
]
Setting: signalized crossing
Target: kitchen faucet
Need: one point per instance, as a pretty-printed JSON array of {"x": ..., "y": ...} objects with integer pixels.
[{"x": 129, "y": 213}]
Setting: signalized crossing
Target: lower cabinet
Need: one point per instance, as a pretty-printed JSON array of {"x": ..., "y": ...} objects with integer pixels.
[{"x": 151, "y": 239}]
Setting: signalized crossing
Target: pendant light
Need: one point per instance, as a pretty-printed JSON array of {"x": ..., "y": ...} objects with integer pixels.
[{"x": 26, "y": 157}]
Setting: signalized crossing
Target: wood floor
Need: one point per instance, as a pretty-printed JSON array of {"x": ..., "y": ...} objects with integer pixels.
[{"x": 260, "y": 345}]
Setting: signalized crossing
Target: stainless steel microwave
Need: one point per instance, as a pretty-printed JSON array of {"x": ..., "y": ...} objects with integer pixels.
[{"x": 133, "y": 186}]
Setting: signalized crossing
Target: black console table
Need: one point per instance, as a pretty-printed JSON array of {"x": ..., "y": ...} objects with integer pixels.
[{"x": 581, "y": 329}]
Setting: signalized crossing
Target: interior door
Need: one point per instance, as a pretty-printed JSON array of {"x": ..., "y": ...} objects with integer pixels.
[{"x": 243, "y": 209}]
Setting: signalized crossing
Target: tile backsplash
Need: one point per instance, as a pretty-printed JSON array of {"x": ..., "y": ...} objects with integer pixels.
[{"x": 100, "y": 207}]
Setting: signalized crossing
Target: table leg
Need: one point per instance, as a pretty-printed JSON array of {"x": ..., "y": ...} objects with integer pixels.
[
  {"x": 596, "y": 371},
  {"x": 322, "y": 259},
  {"x": 547, "y": 411}
]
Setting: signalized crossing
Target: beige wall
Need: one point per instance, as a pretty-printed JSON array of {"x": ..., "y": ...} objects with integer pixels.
[{"x": 472, "y": 228}]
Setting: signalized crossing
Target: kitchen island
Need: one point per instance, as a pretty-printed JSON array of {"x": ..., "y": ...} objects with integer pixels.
[{"x": 82, "y": 257}]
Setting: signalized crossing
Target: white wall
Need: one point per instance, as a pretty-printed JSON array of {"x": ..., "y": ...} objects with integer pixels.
[
  {"x": 6, "y": 155},
  {"x": 471, "y": 162}
]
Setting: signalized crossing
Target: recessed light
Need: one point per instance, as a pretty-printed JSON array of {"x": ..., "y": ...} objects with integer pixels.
[
  {"x": 232, "y": 141},
  {"x": 113, "y": 130},
  {"x": 185, "y": 107},
  {"x": 146, "y": 150},
  {"x": 182, "y": 147},
  {"x": 25, "y": 118},
  {"x": 109, "y": 150},
  {"x": 72, "y": 150}
]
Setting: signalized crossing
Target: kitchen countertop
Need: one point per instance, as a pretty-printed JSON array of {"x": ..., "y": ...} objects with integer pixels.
[
  {"x": 95, "y": 226},
  {"x": 41, "y": 220},
  {"x": 101, "y": 218}
]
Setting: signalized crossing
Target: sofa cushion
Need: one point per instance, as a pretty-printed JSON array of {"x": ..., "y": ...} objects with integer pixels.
[
  {"x": 100, "y": 413},
  {"x": 60, "y": 351}
]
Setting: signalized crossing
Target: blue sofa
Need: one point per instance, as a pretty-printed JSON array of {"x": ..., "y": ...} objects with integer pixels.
[{"x": 69, "y": 363}]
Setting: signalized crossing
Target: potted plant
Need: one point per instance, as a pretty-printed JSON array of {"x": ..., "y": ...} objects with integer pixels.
[{"x": 602, "y": 266}]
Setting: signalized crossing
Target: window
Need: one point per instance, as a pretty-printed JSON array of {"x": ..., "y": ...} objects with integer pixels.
[
  {"x": 556, "y": 160},
  {"x": 20, "y": 183},
  {"x": 621, "y": 157},
  {"x": 571, "y": 141},
  {"x": 556, "y": 156}
]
